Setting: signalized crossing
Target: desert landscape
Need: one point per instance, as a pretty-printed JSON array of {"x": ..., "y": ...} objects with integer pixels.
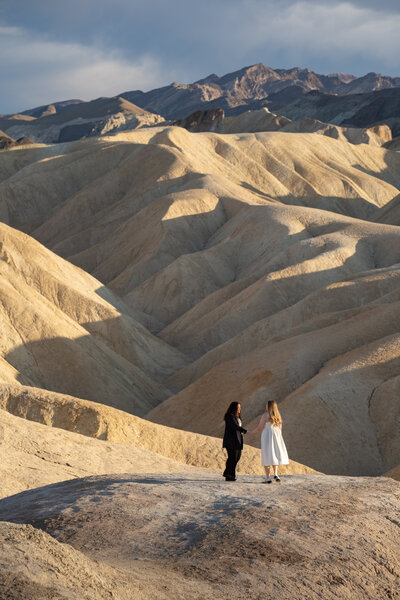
[{"x": 154, "y": 270}]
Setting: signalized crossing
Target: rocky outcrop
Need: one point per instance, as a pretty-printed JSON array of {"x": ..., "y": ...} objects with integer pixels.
[
  {"x": 7, "y": 142},
  {"x": 202, "y": 120},
  {"x": 99, "y": 537}
]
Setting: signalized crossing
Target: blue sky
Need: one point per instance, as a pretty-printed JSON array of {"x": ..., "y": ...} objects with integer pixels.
[{"x": 52, "y": 50}]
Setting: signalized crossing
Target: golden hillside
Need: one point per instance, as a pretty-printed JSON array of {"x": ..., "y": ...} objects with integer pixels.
[{"x": 224, "y": 267}]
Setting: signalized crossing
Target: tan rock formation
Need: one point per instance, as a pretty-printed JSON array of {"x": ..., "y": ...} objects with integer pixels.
[
  {"x": 63, "y": 332},
  {"x": 34, "y": 455},
  {"x": 253, "y": 121},
  {"x": 252, "y": 254},
  {"x": 264, "y": 120},
  {"x": 53, "y": 570},
  {"x": 7, "y": 142},
  {"x": 169, "y": 448},
  {"x": 321, "y": 356},
  {"x": 243, "y": 266},
  {"x": 307, "y": 537}
]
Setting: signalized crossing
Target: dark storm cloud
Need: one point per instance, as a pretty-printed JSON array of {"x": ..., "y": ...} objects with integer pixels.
[{"x": 51, "y": 50}]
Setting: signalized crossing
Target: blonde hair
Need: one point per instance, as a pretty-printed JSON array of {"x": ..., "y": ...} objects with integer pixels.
[{"x": 274, "y": 414}]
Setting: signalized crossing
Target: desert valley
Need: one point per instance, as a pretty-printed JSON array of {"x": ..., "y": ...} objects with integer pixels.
[{"x": 162, "y": 255}]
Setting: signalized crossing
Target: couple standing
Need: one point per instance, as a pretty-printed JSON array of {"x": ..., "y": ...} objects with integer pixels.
[{"x": 273, "y": 449}]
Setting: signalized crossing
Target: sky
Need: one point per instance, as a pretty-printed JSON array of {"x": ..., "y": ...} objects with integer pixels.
[{"x": 52, "y": 50}]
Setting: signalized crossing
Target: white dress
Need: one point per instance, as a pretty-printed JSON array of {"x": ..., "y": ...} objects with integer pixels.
[{"x": 273, "y": 449}]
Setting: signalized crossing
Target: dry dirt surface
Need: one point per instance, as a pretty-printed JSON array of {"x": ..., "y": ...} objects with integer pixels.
[{"x": 196, "y": 536}]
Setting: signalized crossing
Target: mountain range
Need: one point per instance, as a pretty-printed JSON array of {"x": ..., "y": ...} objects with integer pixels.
[
  {"x": 338, "y": 98},
  {"x": 253, "y": 87}
]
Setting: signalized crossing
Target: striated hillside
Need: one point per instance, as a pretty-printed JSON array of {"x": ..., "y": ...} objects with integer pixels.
[
  {"x": 255, "y": 261},
  {"x": 62, "y": 331}
]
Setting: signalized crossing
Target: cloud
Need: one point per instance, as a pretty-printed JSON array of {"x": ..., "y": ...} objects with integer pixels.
[
  {"x": 306, "y": 33},
  {"x": 391, "y": 6},
  {"x": 10, "y": 31},
  {"x": 37, "y": 71},
  {"x": 87, "y": 48},
  {"x": 333, "y": 30}
]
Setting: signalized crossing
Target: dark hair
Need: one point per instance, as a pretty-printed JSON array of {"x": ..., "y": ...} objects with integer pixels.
[{"x": 232, "y": 410}]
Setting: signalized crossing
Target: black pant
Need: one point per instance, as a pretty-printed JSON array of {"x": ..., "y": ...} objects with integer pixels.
[{"x": 231, "y": 462}]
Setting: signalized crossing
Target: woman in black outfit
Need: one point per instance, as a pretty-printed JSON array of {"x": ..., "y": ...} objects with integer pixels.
[{"x": 233, "y": 439}]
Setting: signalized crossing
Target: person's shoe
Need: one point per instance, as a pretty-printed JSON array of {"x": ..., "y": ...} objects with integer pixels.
[
  {"x": 277, "y": 478},
  {"x": 267, "y": 480},
  {"x": 230, "y": 478}
]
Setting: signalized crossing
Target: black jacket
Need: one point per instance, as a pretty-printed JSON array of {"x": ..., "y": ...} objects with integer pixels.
[{"x": 233, "y": 436}]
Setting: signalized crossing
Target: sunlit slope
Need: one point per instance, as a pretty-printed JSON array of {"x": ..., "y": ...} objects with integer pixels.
[
  {"x": 330, "y": 355},
  {"x": 131, "y": 444},
  {"x": 34, "y": 455},
  {"x": 338, "y": 388},
  {"x": 126, "y": 208},
  {"x": 256, "y": 256},
  {"x": 62, "y": 330},
  {"x": 92, "y": 179},
  {"x": 264, "y": 120}
]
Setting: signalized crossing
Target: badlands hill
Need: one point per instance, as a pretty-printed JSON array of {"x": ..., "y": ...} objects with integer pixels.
[
  {"x": 67, "y": 121},
  {"x": 62, "y": 332},
  {"x": 356, "y": 110},
  {"x": 222, "y": 267},
  {"x": 46, "y": 438},
  {"x": 7, "y": 142},
  {"x": 253, "y": 121}
]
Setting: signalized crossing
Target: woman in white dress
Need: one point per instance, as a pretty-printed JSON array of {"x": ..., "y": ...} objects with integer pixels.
[{"x": 273, "y": 449}]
